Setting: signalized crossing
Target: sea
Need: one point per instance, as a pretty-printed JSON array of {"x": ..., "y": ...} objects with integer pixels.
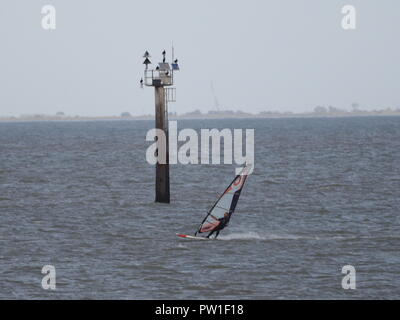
[{"x": 79, "y": 196}]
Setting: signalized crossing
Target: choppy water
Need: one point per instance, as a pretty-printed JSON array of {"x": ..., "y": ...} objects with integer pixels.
[{"x": 79, "y": 195}]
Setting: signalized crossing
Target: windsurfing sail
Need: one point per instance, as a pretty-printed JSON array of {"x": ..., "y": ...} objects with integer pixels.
[{"x": 225, "y": 204}]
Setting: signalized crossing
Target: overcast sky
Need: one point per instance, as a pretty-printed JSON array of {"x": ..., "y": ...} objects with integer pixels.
[{"x": 259, "y": 54}]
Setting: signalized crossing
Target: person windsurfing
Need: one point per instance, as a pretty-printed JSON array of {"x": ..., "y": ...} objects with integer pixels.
[
  {"x": 219, "y": 215},
  {"x": 219, "y": 225}
]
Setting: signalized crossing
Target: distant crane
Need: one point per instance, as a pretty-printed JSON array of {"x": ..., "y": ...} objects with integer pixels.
[{"x": 216, "y": 103}]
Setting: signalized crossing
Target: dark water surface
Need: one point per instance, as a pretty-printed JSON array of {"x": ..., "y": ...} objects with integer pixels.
[{"x": 79, "y": 195}]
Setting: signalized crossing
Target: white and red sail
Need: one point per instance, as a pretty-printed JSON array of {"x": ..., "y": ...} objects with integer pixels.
[{"x": 226, "y": 203}]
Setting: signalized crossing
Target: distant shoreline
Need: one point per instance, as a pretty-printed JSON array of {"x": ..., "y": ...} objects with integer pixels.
[{"x": 201, "y": 116}]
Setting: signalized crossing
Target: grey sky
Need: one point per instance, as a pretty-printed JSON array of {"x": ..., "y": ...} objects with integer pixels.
[{"x": 260, "y": 55}]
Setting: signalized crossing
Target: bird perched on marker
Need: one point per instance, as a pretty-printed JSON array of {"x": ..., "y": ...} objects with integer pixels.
[
  {"x": 158, "y": 68},
  {"x": 176, "y": 61},
  {"x": 163, "y": 53}
]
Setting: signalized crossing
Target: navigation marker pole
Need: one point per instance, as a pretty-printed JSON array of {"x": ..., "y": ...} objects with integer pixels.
[{"x": 159, "y": 78}]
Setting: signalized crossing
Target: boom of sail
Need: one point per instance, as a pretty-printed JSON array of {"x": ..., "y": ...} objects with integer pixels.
[{"x": 226, "y": 203}]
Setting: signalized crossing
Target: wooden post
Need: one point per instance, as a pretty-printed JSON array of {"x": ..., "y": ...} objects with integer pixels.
[{"x": 162, "y": 170}]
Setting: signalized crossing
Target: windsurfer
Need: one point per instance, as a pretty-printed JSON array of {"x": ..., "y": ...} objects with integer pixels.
[{"x": 222, "y": 223}]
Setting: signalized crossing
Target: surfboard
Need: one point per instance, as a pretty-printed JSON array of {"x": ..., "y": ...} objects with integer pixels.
[{"x": 185, "y": 236}]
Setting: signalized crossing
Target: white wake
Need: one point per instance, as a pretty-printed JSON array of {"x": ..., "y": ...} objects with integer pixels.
[{"x": 256, "y": 236}]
